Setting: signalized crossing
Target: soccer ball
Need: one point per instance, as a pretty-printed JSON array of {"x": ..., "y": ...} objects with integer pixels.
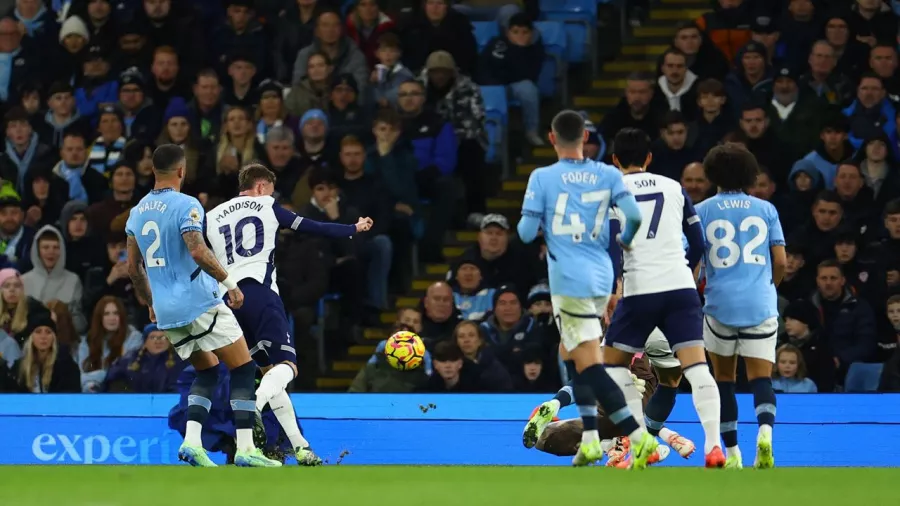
[{"x": 404, "y": 351}]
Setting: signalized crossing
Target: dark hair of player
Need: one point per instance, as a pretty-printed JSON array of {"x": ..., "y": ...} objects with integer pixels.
[
  {"x": 731, "y": 167},
  {"x": 568, "y": 127},
  {"x": 251, "y": 173},
  {"x": 167, "y": 158},
  {"x": 631, "y": 147}
]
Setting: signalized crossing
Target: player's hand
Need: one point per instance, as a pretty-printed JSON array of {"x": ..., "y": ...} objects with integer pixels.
[
  {"x": 152, "y": 315},
  {"x": 235, "y": 298},
  {"x": 639, "y": 384},
  {"x": 626, "y": 247},
  {"x": 364, "y": 224}
]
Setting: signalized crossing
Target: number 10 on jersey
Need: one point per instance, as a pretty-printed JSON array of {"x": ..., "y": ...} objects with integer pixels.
[
  {"x": 576, "y": 227},
  {"x": 237, "y": 245}
]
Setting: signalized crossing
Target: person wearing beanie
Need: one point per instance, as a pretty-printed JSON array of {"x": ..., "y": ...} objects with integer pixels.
[
  {"x": 345, "y": 115},
  {"x": 751, "y": 79},
  {"x": 177, "y": 129},
  {"x": 152, "y": 369},
  {"x": 70, "y": 51},
  {"x": 802, "y": 323},
  {"x": 509, "y": 328},
  {"x": 139, "y": 114},
  {"x": 271, "y": 111},
  {"x": 96, "y": 86},
  {"x": 347, "y": 58},
  {"x": 471, "y": 297},
  {"x": 46, "y": 366},
  {"x": 538, "y": 300},
  {"x": 61, "y": 116},
  {"x": 15, "y": 236}
]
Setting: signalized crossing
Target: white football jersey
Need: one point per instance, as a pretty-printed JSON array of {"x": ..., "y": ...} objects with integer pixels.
[
  {"x": 656, "y": 261},
  {"x": 242, "y": 233}
]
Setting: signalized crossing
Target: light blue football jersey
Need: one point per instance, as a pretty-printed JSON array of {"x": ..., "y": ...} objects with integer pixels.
[
  {"x": 739, "y": 231},
  {"x": 181, "y": 290},
  {"x": 571, "y": 198}
]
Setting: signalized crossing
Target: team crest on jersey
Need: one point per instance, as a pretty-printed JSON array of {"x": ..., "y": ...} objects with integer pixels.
[
  {"x": 195, "y": 215},
  {"x": 863, "y": 276}
]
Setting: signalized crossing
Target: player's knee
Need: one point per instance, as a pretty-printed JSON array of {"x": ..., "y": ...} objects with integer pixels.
[
  {"x": 293, "y": 367},
  {"x": 207, "y": 378},
  {"x": 243, "y": 379}
]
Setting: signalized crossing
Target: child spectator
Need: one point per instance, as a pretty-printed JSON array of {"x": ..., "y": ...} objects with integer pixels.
[
  {"x": 389, "y": 73},
  {"x": 514, "y": 60},
  {"x": 472, "y": 298},
  {"x": 533, "y": 376},
  {"x": 789, "y": 375},
  {"x": 890, "y": 376},
  {"x": 43, "y": 197},
  {"x": 152, "y": 369},
  {"x": 454, "y": 375},
  {"x": 469, "y": 336},
  {"x": 46, "y": 366},
  {"x": 366, "y": 25},
  {"x": 712, "y": 122},
  {"x": 49, "y": 280},
  {"x": 109, "y": 338}
]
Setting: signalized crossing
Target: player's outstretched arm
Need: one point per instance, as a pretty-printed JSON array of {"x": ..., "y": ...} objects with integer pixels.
[
  {"x": 288, "y": 219},
  {"x": 137, "y": 273}
]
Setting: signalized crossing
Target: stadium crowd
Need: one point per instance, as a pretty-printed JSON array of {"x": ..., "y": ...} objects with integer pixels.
[{"x": 366, "y": 108}]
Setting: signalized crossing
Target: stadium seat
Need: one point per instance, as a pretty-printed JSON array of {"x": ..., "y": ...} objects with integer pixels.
[
  {"x": 580, "y": 19},
  {"x": 863, "y": 377},
  {"x": 554, "y": 72},
  {"x": 484, "y": 31},
  {"x": 318, "y": 330},
  {"x": 496, "y": 111}
]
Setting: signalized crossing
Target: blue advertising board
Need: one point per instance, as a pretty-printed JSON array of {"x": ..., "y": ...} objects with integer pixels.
[{"x": 429, "y": 429}]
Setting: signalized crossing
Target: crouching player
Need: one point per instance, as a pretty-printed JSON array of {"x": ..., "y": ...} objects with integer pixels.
[{"x": 243, "y": 232}]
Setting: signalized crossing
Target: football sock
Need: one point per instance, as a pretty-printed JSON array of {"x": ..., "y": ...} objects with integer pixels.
[
  {"x": 764, "y": 400},
  {"x": 633, "y": 399},
  {"x": 612, "y": 399},
  {"x": 284, "y": 411},
  {"x": 587, "y": 408},
  {"x": 705, "y": 394},
  {"x": 665, "y": 433},
  {"x": 607, "y": 444},
  {"x": 728, "y": 418},
  {"x": 564, "y": 396},
  {"x": 202, "y": 390},
  {"x": 273, "y": 382},
  {"x": 658, "y": 409},
  {"x": 243, "y": 397}
]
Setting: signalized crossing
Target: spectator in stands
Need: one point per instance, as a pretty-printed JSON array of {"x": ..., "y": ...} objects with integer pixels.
[
  {"x": 890, "y": 376},
  {"x": 65, "y": 329},
  {"x": 452, "y": 373},
  {"x": 10, "y": 351},
  {"x": 435, "y": 147},
  {"x": 818, "y": 234},
  {"x": 61, "y": 116},
  {"x": 795, "y": 118},
  {"x": 314, "y": 90},
  {"x": 96, "y": 86},
  {"x": 241, "y": 73},
  {"x": 514, "y": 60},
  {"x": 174, "y": 24},
  {"x": 800, "y": 27},
  {"x": 751, "y": 79},
  {"x": 703, "y": 58},
  {"x": 109, "y": 146},
  {"x": 206, "y": 110},
  {"x": 677, "y": 84},
  {"x": 365, "y": 26},
  {"x": 151, "y": 369},
  {"x": 178, "y": 130},
  {"x": 469, "y": 336},
  {"x": 345, "y": 116},
  {"x": 21, "y": 62},
  {"x": 110, "y": 277},
  {"x": 636, "y": 109},
  {"x": 15, "y": 236},
  {"x": 121, "y": 198},
  {"x": 671, "y": 154},
  {"x": 73, "y": 40},
  {"x": 293, "y": 32},
  {"x": 728, "y": 26},
  {"x": 389, "y": 72},
  {"x": 237, "y": 146},
  {"x": 766, "y": 31},
  {"x": 510, "y": 329},
  {"x": 712, "y": 121},
  {"x": 532, "y": 376},
  {"x": 789, "y": 375},
  {"x": 239, "y": 31},
  {"x": 109, "y": 337},
  {"x": 344, "y": 55},
  {"x": 271, "y": 112},
  {"x": 872, "y": 22},
  {"x": 848, "y": 323},
  {"x": 834, "y": 147},
  {"x": 871, "y": 113},
  {"x": 380, "y": 377},
  {"x": 169, "y": 78},
  {"x": 824, "y": 79},
  {"x": 471, "y": 297},
  {"x": 49, "y": 279},
  {"x": 762, "y": 142},
  {"x": 502, "y": 261},
  {"x": 133, "y": 50},
  {"x": 436, "y": 27},
  {"x": 856, "y": 197},
  {"x": 694, "y": 182},
  {"x": 95, "y": 15},
  {"x": 23, "y": 145},
  {"x": 44, "y": 196},
  {"x": 883, "y": 62},
  {"x": 765, "y": 188},
  {"x": 281, "y": 157},
  {"x": 14, "y": 308},
  {"x": 458, "y": 100},
  {"x": 440, "y": 315},
  {"x": 85, "y": 184},
  {"x": 880, "y": 170},
  {"x": 139, "y": 114},
  {"x": 798, "y": 282},
  {"x": 46, "y": 366},
  {"x": 888, "y": 248},
  {"x": 82, "y": 250},
  {"x": 802, "y": 331}
]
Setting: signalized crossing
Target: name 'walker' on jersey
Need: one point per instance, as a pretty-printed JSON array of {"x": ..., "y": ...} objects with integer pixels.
[
  {"x": 740, "y": 231},
  {"x": 656, "y": 261},
  {"x": 181, "y": 290},
  {"x": 572, "y": 200}
]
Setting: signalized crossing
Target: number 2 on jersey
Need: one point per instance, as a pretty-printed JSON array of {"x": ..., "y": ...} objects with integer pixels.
[
  {"x": 237, "y": 246},
  {"x": 576, "y": 227},
  {"x": 734, "y": 250},
  {"x": 152, "y": 260}
]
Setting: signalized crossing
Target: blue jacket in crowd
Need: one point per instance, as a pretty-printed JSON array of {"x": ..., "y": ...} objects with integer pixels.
[{"x": 433, "y": 141}]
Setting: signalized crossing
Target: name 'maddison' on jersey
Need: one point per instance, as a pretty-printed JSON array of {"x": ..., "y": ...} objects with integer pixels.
[
  {"x": 740, "y": 231},
  {"x": 181, "y": 290},
  {"x": 572, "y": 200},
  {"x": 656, "y": 261},
  {"x": 242, "y": 233}
]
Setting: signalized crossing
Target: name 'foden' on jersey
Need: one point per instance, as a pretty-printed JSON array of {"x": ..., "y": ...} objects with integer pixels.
[
  {"x": 580, "y": 177},
  {"x": 237, "y": 206}
]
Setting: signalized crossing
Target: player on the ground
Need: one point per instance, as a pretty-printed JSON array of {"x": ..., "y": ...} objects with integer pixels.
[
  {"x": 570, "y": 200},
  {"x": 243, "y": 232},
  {"x": 176, "y": 274},
  {"x": 659, "y": 288},
  {"x": 744, "y": 262}
]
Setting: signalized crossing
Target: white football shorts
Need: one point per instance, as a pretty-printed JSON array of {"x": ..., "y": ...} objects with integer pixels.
[
  {"x": 659, "y": 352},
  {"x": 578, "y": 319},
  {"x": 758, "y": 341},
  {"x": 212, "y": 330}
]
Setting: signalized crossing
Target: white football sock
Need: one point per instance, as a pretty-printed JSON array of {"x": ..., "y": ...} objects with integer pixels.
[
  {"x": 665, "y": 434},
  {"x": 273, "y": 382},
  {"x": 633, "y": 399},
  {"x": 765, "y": 430},
  {"x": 705, "y": 394},
  {"x": 244, "y": 440},
  {"x": 589, "y": 436},
  {"x": 283, "y": 408},
  {"x": 607, "y": 444},
  {"x": 193, "y": 433},
  {"x": 733, "y": 452}
]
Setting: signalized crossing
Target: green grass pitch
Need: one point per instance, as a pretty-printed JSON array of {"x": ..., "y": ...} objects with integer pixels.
[{"x": 439, "y": 486}]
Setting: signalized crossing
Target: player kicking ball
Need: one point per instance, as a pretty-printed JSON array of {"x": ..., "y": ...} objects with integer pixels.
[
  {"x": 659, "y": 289},
  {"x": 570, "y": 200},
  {"x": 744, "y": 261},
  {"x": 175, "y": 273},
  {"x": 243, "y": 232}
]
